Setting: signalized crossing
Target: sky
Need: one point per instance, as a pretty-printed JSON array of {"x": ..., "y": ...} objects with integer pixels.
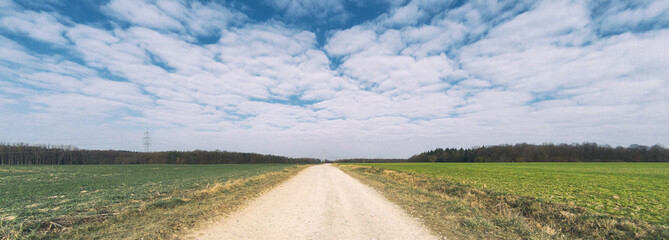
[{"x": 333, "y": 79}]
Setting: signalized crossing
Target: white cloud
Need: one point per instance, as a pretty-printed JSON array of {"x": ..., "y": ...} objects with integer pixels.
[
  {"x": 620, "y": 17},
  {"x": 124, "y": 92},
  {"x": 20, "y": 62},
  {"x": 265, "y": 62},
  {"x": 531, "y": 44},
  {"x": 53, "y": 89},
  {"x": 557, "y": 23},
  {"x": 208, "y": 18},
  {"x": 322, "y": 11},
  {"x": 475, "y": 83},
  {"x": 414, "y": 12},
  {"x": 13, "y": 53},
  {"x": 281, "y": 62},
  {"x": 41, "y": 26},
  {"x": 175, "y": 53},
  {"x": 401, "y": 73},
  {"x": 144, "y": 14},
  {"x": 51, "y": 81},
  {"x": 418, "y": 77},
  {"x": 195, "y": 18},
  {"x": 350, "y": 41},
  {"x": 494, "y": 100},
  {"x": 76, "y": 104},
  {"x": 499, "y": 87},
  {"x": 7, "y": 4},
  {"x": 433, "y": 39}
]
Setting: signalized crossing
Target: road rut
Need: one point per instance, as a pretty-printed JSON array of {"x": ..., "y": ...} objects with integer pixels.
[{"x": 321, "y": 202}]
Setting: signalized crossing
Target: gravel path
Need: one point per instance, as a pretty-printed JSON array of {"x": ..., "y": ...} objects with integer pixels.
[{"x": 321, "y": 202}]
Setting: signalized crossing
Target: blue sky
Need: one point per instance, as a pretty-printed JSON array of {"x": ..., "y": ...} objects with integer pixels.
[{"x": 333, "y": 79}]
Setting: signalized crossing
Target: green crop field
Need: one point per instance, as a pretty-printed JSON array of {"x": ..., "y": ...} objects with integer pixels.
[
  {"x": 635, "y": 190},
  {"x": 40, "y": 194}
]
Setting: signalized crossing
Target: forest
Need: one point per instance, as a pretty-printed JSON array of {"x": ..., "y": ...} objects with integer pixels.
[
  {"x": 523, "y": 152},
  {"x": 26, "y": 154}
]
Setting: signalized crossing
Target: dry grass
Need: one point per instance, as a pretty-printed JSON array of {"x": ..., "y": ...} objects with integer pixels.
[
  {"x": 174, "y": 217},
  {"x": 458, "y": 211},
  {"x": 165, "y": 216}
]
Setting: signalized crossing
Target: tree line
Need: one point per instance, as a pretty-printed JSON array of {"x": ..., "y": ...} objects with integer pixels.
[
  {"x": 523, "y": 152},
  {"x": 27, "y": 154}
]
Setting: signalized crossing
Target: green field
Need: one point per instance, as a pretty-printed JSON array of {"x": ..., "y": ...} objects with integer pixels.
[
  {"x": 31, "y": 196},
  {"x": 635, "y": 190}
]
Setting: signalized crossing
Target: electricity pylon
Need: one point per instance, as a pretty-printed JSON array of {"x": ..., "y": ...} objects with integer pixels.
[{"x": 147, "y": 140}]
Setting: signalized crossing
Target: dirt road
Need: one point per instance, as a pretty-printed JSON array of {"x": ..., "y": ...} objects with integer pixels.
[{"x": 321, "y": 202}]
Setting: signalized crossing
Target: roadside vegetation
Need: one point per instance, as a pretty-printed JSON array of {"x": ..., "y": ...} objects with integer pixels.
[
  {"x": 528, "y": 201},
  {"x": 634, "y": 190},
  {"x": 125, "y": 201}
]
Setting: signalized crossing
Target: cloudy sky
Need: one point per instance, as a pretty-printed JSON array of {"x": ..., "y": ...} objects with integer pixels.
[{"x": 333, "y": 79}]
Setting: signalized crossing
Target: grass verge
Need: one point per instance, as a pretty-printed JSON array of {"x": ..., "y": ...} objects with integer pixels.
[
  {"x": 459, "y": 211},
  {"x": 163, "y": 216},
  {"x": 632, "y": 190}
]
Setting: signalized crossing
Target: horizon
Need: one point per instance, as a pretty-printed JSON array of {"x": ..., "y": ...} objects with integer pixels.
[
  {"x": 75, "y": 148},
  {"x": 333, "y": 79}
]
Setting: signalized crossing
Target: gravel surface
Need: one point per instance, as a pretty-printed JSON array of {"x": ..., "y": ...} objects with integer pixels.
[{"x": 321, "y": 202}]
